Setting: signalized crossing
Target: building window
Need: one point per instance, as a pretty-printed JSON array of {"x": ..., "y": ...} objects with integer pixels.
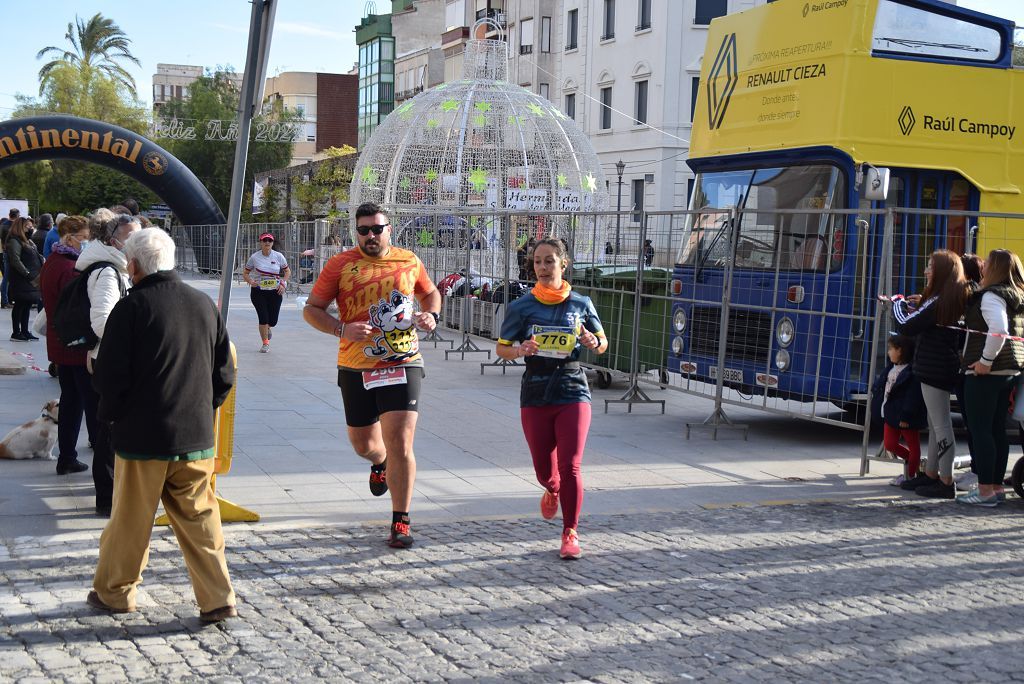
[
  {"x": 640, "y": 106},
  {"x": 638, "y": 199},
  {"x": 572, "y": 29},
  {"x": 643, "y": 20},
  {"x": 300, "y": 111},
  {"x": 543, "y": 90},
  {"x": 689, "y": 190},
  {"x": 545, "y": 34},
  {"x": 606, "y": 108},
  {"x": 570, "y": 105},
  {"x": 709, "y": 9},
  {"x": 694, "y": 89},
  {"x": 526, "y": 36},
  {"x": 609, "y": 20}
]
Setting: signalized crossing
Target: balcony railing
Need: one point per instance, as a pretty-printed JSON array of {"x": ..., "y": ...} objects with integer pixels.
[
  {"x": 526, "y": 49},
  {"x": 608, "y": 36}
]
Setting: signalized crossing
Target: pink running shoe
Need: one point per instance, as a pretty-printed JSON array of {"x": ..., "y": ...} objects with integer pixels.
[
  {"x": 570, "y": 545},
  {"x": 548, "y": 505}
]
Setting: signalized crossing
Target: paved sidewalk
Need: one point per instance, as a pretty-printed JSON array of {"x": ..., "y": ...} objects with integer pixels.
[{"x": 712, "y": 560}]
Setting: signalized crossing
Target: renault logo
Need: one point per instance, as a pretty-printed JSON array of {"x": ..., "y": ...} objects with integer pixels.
[
  {"x": 722, "y": 80},
  {"x": 907, "y": 120}
]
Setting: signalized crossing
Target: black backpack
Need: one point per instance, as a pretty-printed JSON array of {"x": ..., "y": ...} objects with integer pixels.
[{"x": 71, "y": 317}]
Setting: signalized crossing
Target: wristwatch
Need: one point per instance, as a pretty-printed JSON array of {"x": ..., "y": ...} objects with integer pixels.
[{"x": 437, "y": 316}]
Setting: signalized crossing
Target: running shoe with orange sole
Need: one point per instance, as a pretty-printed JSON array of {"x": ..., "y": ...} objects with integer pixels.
[
  {"x": 570, "y": 545},
  {"x": 548, "y": 505}
]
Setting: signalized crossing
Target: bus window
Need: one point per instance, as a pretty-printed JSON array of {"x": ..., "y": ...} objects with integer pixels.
[
  {"x": 956, "y": 226},
  {"x": 795, "y": 241}
]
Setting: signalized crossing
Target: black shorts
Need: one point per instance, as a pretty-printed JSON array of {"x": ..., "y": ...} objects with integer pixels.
[
  {"x": 363, "y": 407},
  {"x": 267, "y": 303}
]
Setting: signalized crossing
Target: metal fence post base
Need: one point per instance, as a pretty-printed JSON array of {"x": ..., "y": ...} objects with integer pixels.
[
  {"x": 504, "y": 364},
  {"x": 718, "y": 420},
  {"x": 634, "y": 395},
  {"x": 434, "y": 337},
  {"x": 468, "y": 346}
]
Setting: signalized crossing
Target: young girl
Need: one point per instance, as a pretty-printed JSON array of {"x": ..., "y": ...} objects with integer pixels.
[{"x": 898, "y": 396}]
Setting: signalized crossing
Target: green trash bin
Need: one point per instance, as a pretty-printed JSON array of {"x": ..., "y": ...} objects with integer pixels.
[{"x": 612, "y": 288}]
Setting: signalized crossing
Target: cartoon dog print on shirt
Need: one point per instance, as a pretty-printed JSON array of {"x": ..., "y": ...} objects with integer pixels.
[{"x": 394, "y": 317}]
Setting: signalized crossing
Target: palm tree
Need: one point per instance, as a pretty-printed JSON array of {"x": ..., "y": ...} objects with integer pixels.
[{"x": 97, "y": 44}]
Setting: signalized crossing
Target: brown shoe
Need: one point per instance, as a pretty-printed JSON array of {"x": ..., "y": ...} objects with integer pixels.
[
  {"x": 94, "y": 600},
  {"x": 218, "y": 614}
]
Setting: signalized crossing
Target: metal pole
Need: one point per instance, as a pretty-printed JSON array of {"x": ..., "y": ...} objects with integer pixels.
[
  {"x": 261, "y": 27},
  {"x": 618, "y": 216}
]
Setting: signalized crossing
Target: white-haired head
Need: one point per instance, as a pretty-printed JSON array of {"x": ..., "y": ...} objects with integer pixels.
[{"x": 152, "y": 250}]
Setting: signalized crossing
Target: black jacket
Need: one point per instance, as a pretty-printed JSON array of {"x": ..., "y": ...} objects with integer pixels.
[
  {"x": 164, "y": 366},
  {"x": 24, "y": 264},
  {"x": 937, "y": 354},
  {"x": 905, "y": 403}
]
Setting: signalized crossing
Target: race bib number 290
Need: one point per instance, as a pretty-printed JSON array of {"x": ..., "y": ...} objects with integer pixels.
[
  {"x": 554, "y": 341},
  {"x": 383, "y": 377}
]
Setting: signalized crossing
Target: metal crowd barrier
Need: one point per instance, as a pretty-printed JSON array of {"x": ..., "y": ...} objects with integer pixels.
[{"x": 736, "y": 277}]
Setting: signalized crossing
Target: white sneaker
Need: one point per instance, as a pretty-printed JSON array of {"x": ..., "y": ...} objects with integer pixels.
[
  {"x": 966, "y": 481},
  {"x": 264, "y": 349},
  {"x": 898, "y": 480}
]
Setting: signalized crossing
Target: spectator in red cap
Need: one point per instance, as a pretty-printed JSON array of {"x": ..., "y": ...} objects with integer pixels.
[{"x": 267, "y": 273}]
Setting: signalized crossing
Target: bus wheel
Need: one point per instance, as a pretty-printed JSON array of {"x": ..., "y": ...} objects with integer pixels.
[
  {"x": 52, "y": 369},
  {"x": 663, "y": 378},
  {"x": 604, "y": 379},
  {"x": 1017, "y": 477}
]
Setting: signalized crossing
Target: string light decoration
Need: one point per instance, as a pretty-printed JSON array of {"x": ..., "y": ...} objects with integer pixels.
[{"x": 482, "y": 143}]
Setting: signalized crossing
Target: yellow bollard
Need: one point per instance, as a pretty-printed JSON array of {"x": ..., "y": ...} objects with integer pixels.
[{"x": 223, "y": 448}]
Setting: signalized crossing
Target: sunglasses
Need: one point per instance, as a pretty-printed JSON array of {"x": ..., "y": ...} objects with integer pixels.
[
  {"x": 377, "y": 229},
  {"x": 267, "y": 240}
]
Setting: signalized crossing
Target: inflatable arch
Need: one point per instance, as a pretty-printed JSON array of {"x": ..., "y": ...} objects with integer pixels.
[{"x": 36, "y": 138}]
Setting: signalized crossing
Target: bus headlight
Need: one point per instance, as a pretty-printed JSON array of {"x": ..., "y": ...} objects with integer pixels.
[
  {"x": 784, "y": 332},
  {"x": 782, "y": 359},
  {"x": 679, "y": 321},
  {"x": 677, "y": 345}
]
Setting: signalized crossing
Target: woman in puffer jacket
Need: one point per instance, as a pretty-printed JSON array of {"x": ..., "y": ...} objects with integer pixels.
[
  {"x": 992, "y": 365},
  {"x": 934, "y": 320},
  {"x": 106, "y": 287}
]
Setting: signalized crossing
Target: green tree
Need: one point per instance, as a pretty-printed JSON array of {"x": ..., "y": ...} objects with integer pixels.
[
  {"x": 214, "y": 97},
  {"x": 80, "y": 87},
  {"x": 328, "y": 187},
  {"x": 98, "y": 47}
]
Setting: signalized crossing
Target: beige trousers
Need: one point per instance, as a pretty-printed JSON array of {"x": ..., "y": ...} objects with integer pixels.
[{"x": 187, "y": 494}]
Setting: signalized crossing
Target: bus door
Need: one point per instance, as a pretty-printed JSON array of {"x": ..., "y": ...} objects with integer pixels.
[{"x": 915, "y": 237}]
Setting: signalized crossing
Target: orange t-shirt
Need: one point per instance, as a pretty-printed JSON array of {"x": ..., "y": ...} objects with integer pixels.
[{"x": 379, "y": 291}]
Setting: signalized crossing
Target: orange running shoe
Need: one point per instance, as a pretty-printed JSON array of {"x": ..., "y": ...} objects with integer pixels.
[
  {"x": 548, "y": 505},
  {"x": 570, "y": 545}
]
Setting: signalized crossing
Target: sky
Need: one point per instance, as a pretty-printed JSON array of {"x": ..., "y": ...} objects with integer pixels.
[{"x": 309, "y": 35}]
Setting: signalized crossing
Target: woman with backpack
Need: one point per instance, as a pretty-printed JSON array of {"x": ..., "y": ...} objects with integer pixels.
[
  {"x": 106, "y": 286},
  {"x": 77, "y": 397},
  {"x": 24, "y": 263}
]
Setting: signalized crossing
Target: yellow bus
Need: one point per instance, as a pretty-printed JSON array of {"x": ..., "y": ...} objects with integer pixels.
[{"x": 831, "y": 106}]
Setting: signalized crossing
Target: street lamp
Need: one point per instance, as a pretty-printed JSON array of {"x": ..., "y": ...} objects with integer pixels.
[{"x": 620, "y": 166}]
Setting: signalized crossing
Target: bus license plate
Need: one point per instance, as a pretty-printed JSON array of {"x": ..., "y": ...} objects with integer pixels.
[{"x": 731, "y": 374}]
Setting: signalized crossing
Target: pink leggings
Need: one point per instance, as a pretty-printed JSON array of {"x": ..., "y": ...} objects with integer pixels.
[{"x": 557, "y": 435}]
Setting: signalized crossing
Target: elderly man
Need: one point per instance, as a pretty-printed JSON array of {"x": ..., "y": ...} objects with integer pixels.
[{"x": 164, "y": 366}]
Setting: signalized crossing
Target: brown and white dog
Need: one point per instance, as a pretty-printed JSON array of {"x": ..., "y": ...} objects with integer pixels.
[{"x": 34, "y": 439}]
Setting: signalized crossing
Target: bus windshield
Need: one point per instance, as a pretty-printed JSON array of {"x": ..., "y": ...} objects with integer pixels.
[{"x": 767, "y": 240}]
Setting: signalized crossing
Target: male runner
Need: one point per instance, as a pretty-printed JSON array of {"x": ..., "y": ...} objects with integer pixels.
[{"x": 379, "y": 364}]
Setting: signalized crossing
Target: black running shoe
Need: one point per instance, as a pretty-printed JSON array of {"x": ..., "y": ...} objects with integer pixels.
[
  {"x": 401, "y": 536},
  {"x": 919, "y": 480},
  {"x": 937, "y": 490},
  {"x": 379, "y": 479}
]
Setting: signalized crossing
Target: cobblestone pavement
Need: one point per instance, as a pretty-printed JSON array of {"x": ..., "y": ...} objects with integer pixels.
[{"x": 813, "y": 592}]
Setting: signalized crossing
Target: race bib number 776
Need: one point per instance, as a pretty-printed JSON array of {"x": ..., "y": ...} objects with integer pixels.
[{"x": 555, "y": 341}]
